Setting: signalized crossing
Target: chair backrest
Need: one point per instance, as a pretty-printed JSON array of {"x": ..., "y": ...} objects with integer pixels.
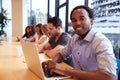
[
  {"x": 118, "y": 68},
  {"x": 118, "y": 64},
  {"x": 119, "y": 75}
]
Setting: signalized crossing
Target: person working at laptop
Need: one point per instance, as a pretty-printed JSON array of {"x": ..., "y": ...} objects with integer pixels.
[
  {"x": 58, "y": 38},
  {"x": 92, "y": 53},
  {"x": 39, "y": 38}
]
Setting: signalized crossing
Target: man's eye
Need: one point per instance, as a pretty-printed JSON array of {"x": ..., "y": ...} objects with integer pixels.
[
  {"x": 73, "y": 20},
  {"x": 81, "y": 19}
]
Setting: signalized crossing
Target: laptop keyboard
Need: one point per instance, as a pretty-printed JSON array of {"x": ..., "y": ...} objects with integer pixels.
[{"x": 47, "y": 72}]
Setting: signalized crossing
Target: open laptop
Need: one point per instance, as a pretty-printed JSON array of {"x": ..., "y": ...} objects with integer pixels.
[{"x": 34, "y": 61}]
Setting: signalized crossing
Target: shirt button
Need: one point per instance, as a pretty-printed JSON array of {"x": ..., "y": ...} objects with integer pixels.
[{"x": 78, "y": 53}]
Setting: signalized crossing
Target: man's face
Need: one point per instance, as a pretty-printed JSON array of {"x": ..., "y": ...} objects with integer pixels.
[
  {"x": 52, "y": 30},
  {"x": 81, "y": 21}
]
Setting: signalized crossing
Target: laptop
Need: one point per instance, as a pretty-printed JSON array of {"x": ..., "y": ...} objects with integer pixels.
[{"x": 34, "y": 61}]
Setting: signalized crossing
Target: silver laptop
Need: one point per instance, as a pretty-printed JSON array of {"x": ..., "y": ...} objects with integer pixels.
[{"x": 34, "y": 61}]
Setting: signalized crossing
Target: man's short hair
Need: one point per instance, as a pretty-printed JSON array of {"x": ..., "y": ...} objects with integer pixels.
[
  {"x": 55, "y": 21},
  {"x": 90, "y": 11}
]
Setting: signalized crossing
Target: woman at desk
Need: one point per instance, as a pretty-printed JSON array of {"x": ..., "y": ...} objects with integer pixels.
[
  {"x": 28, "y": 35},
  {"x": 39, "y": 37}
]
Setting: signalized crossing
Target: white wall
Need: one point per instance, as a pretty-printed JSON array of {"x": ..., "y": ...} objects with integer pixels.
[{"x": 16, "y": 18}]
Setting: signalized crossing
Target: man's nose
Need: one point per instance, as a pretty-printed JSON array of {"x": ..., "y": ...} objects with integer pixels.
[{"x": 78, "y": 22}]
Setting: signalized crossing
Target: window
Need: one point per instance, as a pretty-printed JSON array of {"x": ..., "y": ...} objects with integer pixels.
[
  {"x": 0, "y": 5},
  {"x": 52, "y": 8},
  {"x": 62, "y": 1},
  {"x": 37, "y": 12},
  {"x": 72, "y": 4},
  {"x": 62, "y": 12},
  {"x": 107, "y": 14},
  {"x": 34, "y": 12}
]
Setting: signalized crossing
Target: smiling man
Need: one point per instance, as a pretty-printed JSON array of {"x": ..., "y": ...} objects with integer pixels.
[{"x": 92, "y": 53}]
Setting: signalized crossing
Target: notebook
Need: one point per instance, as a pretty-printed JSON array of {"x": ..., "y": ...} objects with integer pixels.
[{"x": 34, "y": 61}]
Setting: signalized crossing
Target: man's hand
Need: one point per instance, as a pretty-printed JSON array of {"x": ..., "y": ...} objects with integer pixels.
[{"x": 52, "y": 67}]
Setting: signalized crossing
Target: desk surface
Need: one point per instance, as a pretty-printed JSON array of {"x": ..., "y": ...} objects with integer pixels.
[{"x": 12, "y": 65}]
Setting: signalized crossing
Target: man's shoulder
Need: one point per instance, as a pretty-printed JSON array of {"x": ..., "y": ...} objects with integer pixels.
[
  {"x": 66, "y": 34},
  {"x": 65, "y": 37},
  {"x": 100, "y": 36}
]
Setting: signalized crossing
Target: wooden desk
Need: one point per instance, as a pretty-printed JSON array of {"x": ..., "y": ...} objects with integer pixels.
[{"x": 12, "y": 66}]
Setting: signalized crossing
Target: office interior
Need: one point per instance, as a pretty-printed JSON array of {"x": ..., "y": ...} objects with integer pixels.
[
  {"x": 21, "y": 13},
  {"x": 30, "y": 12}
]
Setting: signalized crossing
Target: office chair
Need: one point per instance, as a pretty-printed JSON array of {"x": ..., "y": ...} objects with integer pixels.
[{"x": 118, "y": 68}]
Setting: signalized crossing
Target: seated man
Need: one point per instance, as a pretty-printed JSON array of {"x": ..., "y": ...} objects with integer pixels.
[
  {"x": 92, "y": 53},
  {"x": 58, "y": 38}
]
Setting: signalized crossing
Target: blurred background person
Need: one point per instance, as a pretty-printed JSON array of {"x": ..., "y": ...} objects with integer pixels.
[
  {"x": 39, "y": 37},
  {"x": 45, "y": 30},
  {"x": 28, "y": 35}
]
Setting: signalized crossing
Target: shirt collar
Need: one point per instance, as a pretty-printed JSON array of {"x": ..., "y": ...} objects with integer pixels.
[{"x": 89, "y": 37}]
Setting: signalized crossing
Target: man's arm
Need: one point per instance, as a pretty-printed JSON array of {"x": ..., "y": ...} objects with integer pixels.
[
  {"x": 58, "y": 58},
  {"x": 79, "y": 74},
  {"x": 44, "y": 47},
  {"x": 89, "y": 75},
  {"x": 53, "y": 52}
]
